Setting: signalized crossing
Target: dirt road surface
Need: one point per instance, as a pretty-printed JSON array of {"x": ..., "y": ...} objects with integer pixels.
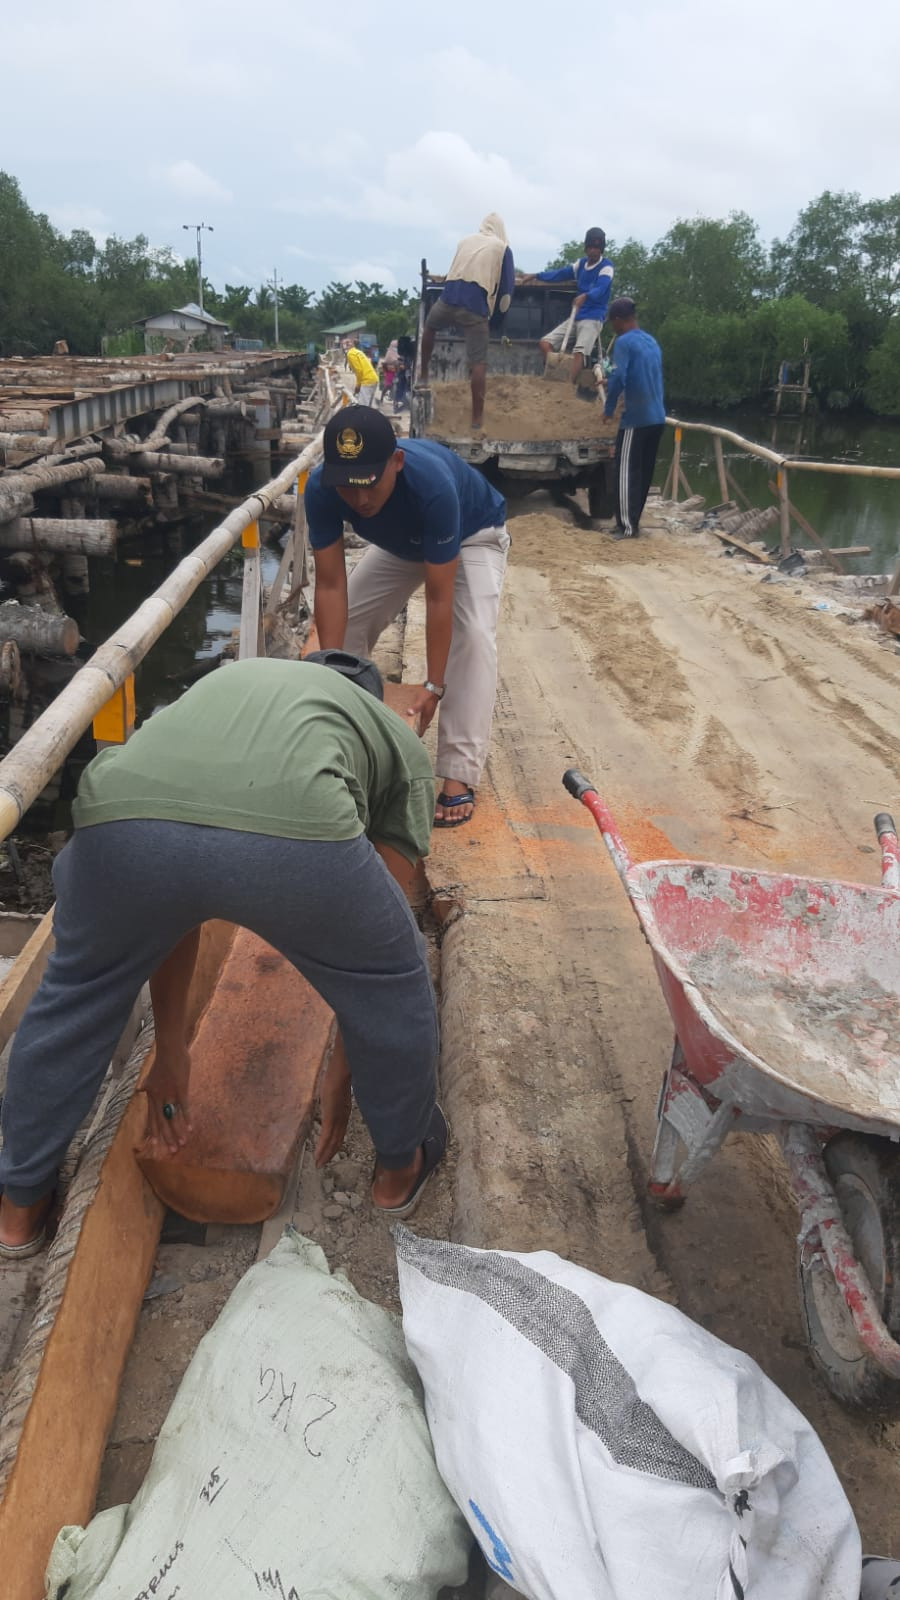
[{"x": 722, "y": 717}]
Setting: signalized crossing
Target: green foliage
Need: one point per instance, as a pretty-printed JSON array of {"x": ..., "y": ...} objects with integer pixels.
[
  {"x": 883, "y": 386},
  {"x": 567, "y": 255}
]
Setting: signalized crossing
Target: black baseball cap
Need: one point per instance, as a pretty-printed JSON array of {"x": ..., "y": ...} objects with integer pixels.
[
  {"x": 358, "y": 444},
  {"x": 358, "y": 669}
]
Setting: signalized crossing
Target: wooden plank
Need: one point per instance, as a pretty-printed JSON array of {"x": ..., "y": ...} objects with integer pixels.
[
  {"x": 255, "y": 1061},
  {"x": 250, "y": 607},
  {"x": 23, "y": 978},
  {"x": 100, "y": 1283},
  {"x": 746, "y": 549}
]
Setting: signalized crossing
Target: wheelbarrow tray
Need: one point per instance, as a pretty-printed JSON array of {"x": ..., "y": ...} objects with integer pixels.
[{"x": 784, "y": 991}]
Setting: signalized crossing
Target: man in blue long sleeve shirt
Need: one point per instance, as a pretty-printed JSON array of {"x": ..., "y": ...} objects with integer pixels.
[
  {"x": 593, "y": 275},
  {"x": 637, "y": 373}
]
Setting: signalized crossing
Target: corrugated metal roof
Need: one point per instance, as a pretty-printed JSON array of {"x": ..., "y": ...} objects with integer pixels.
[{"x": 190, "y": 310}]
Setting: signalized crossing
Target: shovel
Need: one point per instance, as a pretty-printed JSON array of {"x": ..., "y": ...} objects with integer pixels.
[{"x": 556, "y": 365}]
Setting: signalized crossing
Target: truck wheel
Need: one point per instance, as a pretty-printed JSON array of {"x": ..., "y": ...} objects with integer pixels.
[{"x": 865, "y": 1173}]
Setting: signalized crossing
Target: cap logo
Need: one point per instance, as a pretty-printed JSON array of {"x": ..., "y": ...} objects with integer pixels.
[{"x": 349, "y": 444}]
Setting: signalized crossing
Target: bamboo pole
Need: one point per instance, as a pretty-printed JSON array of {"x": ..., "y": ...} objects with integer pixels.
[
  {"x": 676, "y": 461},
  {"x": 89, "y": 536},
  {"x": 40, "y": 751},
  {"x": 781, "y": 479},
  {"x": 797, "y": 464},
  {"x": 720, "y": 468}
]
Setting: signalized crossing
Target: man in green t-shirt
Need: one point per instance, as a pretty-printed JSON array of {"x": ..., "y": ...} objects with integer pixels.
[{"x": 278, "y": 795}]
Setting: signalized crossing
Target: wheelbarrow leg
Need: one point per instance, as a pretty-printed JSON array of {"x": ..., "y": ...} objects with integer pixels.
[{"x": 691, "y": 1128}]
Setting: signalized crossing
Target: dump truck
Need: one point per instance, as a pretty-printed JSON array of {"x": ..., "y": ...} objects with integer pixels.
[{"x": 516, "y": 466}]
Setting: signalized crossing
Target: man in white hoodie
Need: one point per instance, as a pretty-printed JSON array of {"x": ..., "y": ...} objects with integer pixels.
[{"x": 477, "y": 292}]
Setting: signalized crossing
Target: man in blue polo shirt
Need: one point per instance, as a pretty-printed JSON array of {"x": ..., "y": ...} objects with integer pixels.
[{"x": 430, "y": 520}]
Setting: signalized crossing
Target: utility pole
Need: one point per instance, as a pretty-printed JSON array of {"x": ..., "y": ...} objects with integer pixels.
[
  {"x": 198, "y": 228},
  {"x": 273, "y": 285}
]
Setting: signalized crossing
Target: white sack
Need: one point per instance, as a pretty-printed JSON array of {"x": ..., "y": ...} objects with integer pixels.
[
  {"x": 295, "y": 1461},
  {"x": 604, "y": 1447}
]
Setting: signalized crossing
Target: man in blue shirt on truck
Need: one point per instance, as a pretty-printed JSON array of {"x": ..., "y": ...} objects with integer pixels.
[
  {"x": 637, "y": 373},
  {"x": 431, "y": 521},
  {"x": 593, "y": 275}
]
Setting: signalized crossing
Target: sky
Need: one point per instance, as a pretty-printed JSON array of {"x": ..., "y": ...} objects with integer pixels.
[{"x": 343, "y": 142}]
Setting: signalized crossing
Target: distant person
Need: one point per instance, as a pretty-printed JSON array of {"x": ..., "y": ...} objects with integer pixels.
[
  {"x": 432, "y": 522},
  {"x": 406, "y": 364},
  {"x": 365, "y": 375},
  {"x": 476, "y": 297},
  {"x": 264, "y": 796},
  {"x": 593, "y": 275},
  {"x": 637, "y": 373}
]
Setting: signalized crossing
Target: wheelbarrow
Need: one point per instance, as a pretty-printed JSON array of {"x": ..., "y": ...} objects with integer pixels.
[{"x": 785, "y": 996}]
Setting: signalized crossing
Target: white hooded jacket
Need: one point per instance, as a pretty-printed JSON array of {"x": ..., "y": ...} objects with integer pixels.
[{"x": 479, "y": 259}]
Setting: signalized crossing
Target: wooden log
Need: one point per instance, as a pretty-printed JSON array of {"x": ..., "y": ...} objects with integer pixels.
[
  {"x": 155, "y": 439},
  {"x": 16, "y": 421},
  {"x": 15, "y": 498},
  {"x": 10, "y": 668},
  {"x": 121, "y": 486},
  {"x": 749, "y": 524},
  {"x": 166, "y": 461},
  {"x": 89, "y": 536},
  {"x": 32, "y": 628},
  {"x": 77, "y": 452},
  {"x": 37, "y": 443},
  {"x": 255, "y": 1060}
]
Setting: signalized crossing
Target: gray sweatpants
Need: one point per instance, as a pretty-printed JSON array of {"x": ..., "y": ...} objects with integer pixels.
[
  {"x": 378, "y": 589},
  {"x": 127, "y": 892}
]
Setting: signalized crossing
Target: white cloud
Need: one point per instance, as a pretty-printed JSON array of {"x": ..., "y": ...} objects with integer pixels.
[
  {"x": 190, "y": 182},
  {"x": 69, "y": 216},
  {"x": 367, "y": 272}
]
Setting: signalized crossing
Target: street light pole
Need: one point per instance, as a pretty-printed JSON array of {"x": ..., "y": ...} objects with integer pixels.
[
  {"x": 273, "y": 285},
  {"x": 198, "y": 228}
]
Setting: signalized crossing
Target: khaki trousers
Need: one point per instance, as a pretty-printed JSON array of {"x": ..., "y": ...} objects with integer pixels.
[{"x": 378, "y": 589}]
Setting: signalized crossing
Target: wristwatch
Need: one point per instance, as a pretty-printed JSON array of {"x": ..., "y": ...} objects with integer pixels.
[{"x": 437, "y": 689}]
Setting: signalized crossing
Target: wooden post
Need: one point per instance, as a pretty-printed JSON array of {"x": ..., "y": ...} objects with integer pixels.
[
  {"x": 781, "y": 480},
  {"x": 301, "y": 539},
  {"x": 676, "y": 463},
  {"x": 251, "y": 618},
  {"x": 737, "y": 491},
  {"x": 114, "y": 722},
  {"x": 720, "y": 468}
]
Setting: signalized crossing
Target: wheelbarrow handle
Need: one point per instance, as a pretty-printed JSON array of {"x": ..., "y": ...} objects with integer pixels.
[
  {"x": 581, "y": 788},
  {"x": 577, "y": 784},
  {"x": 886, "y": 830}
]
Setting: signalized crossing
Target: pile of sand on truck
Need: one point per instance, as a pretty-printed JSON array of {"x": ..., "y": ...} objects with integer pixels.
[{"x": 520, "y": 408}]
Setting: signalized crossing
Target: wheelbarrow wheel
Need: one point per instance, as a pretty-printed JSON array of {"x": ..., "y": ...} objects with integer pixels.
[{"x": 865, "y": 1173}]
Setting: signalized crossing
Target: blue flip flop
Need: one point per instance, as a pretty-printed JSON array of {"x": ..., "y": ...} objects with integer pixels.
[{"x": 467, "y": 798}]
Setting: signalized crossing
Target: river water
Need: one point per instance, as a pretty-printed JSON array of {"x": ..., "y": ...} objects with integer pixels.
[{"x": 843, "y": 510}]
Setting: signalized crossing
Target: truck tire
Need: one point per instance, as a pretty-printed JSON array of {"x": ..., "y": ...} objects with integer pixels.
[
  {"x": 865, "y": 1173},
  {"x": 601, "y": 493}
]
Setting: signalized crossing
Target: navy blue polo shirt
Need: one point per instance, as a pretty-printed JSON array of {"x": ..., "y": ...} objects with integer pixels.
[{"x": 437, "y": 502}]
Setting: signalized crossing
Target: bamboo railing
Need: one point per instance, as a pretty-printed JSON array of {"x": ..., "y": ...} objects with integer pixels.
[
  {"x": 783, "y": 466},
  {"x": 41, "y": 751}
]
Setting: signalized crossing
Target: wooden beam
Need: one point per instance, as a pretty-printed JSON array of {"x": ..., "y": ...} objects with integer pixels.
[
  {"x": 23, "y": 977},
  {"x": 746, "y": 549},
  {"x": 720, "y": 468}
]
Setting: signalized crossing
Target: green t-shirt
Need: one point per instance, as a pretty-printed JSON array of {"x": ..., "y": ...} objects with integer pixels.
[{"x": 277, "y": 747}]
